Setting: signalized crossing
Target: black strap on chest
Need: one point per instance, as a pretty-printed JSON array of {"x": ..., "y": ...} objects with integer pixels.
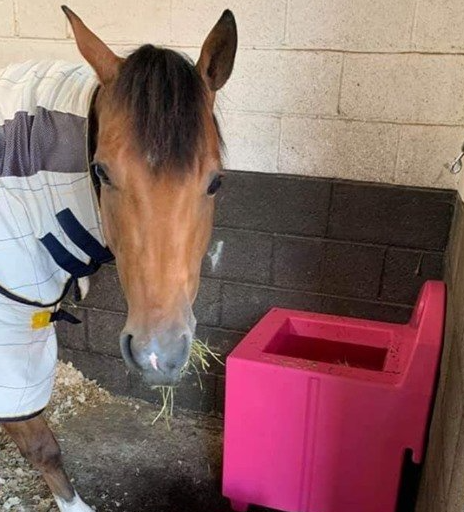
[
  {"x": 76, "y": 232},
  {"x": 17, "y": 298}
]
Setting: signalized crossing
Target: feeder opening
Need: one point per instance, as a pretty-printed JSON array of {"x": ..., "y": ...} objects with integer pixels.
[{"x": 350, "y": 354}]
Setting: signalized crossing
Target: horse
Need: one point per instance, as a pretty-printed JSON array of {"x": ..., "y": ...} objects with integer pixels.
[{"x": 117, "y": 157}]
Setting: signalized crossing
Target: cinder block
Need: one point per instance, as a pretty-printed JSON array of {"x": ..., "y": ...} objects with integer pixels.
[
  {"x": 405, "y": 272},
  {"x": 455, "y": 247},
  {"x": 146, "y": 21},
  {"x": 193, "y": 395},
  {"x": 283, "y": 81},
  {"x": 220, "y": 340},
  {"x": 452, "y": 414},
  {"x": 73, "y": 336},
  {"x": 244, "y": 305},
  {"x": 252, "y": 141},
  {"x": 139, "y": 389},
  {"x": 431, "y": 494},
  {"x": 460, "y": 187},
  {"x": 220, "y": 395},
  {"x": 207, "y": 306},
  {"x": 456, "y": 285},
  {"x": 297, "y": 263},
  {"x": 105, "y": 291},
  {"x": 249, "y": 201},
  {"x": 338, "y": 149},
  {"x": 104, "y": 328},
  {"x": 456, "y": 491},
  {"x": 365, "y": 309},
  {"x": 425, "y": 154},
  {"x": 7, "y": 25},
  {"x": 377, "y": 213},
  {"x": 19, "y": 50},
  {"x": 109, "y": 372},
  {"x": 450, "y": 336},
  {"x": 351, "y": 270},
  {"x": 438, "y": 26},
  {"x": 239, "y": 255},
  {"x": 409, "y": 88},
  {"x": 459, "y": 340},
  {"x": 261, "y": 22},
  {"x": 41, "y": 18},
  {"x": 350, "y": 24}
]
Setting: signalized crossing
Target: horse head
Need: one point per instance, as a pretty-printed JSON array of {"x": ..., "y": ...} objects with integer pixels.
[{"x": 158, "y": 159}]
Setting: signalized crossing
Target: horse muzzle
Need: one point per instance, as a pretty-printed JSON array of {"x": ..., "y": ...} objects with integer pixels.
[{"x": 161, "y": 359}]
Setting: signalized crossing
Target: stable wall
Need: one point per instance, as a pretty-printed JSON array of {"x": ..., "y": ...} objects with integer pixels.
[
  {"x": 369, "y": 90},
  {"x": 339, "y": 247},
  {"x": 442, "y": 487}
]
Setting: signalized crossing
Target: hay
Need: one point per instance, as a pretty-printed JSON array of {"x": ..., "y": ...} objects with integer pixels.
[{"x": 199, "y": 362}]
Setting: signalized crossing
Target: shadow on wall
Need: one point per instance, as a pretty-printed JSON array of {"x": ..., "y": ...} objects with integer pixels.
[{"x": 441, "y": 485}]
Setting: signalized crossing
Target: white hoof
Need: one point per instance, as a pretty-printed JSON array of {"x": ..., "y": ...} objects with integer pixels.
[{"x": 75, "y": 505}]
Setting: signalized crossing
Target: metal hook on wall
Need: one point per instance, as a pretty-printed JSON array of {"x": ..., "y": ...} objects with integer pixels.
[{"x": 456, "y": 165}]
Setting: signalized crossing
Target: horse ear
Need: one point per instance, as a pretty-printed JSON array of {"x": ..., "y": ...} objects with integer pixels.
[
  {"x": 93, "y": 49},
  {"x": 218, "y": 52}
]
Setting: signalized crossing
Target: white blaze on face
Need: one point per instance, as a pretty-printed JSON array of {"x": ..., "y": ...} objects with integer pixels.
[
  {"x": 153, "y": 360},
  {"x": 75, "y": 505}
]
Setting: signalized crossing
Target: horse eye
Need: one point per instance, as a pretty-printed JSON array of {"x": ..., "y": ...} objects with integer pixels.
[
  {"x": 215, "y": 185},
  {"x": 101, "y": 174}
]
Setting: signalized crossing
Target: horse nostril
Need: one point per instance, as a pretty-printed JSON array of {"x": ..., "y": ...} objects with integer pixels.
[
  {"x": 171, "y": 366},
  {"x": 126, "y": 351}
]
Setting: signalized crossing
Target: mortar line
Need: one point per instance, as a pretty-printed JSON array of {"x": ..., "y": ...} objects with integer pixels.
[
  {"x": 272, "y": 268},
  {"x": 339, "y": 99},
  {"x": 414, "y": 23},
  {"x": 15, "y": 19},
  {"x": 329, "y": 212},
  {"x": 447, "y": 485},
  {"x": 397, "y": 156},
  {"x": 286, "y": 21},
  {"x": 132, "y": 43},
  {"x": 170, "y": 21},
  {"x": 279, "y": 146},
  {"x": 221, "y": 301},
  {"x": 382, "y": 273},
  {"x": 87, "y": 331},
  {"x": 460, "y": 368},
  {"x": 280, "y": 289},
  {"x": 325, "y": 238},
  {"x": 328, "y": 117}
]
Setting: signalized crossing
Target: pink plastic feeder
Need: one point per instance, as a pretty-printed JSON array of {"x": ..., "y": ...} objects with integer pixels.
[{"x": 320, "y": 409}]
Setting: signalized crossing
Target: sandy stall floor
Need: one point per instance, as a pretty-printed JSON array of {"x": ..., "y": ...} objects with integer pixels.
[
  {"x": 120, "y": 461},
  {"x": 117, "y": 459}
]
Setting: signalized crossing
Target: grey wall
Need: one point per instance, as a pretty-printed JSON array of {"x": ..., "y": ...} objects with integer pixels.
[
  {"x": 347, "y": 248},
  {"x": 442, "y": 487}
]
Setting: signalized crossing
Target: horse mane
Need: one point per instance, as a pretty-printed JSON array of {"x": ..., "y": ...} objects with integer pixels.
[{"x": 166, "y": 100}]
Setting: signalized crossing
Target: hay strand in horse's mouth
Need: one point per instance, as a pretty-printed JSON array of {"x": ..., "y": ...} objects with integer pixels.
[{"x": 199, "y": 362}]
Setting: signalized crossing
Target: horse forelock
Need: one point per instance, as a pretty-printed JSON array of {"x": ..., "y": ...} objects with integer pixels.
[{"x": 167, "y": 104}]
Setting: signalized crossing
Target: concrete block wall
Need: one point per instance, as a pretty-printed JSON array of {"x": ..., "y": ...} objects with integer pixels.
[
  {"x": 369, "y": 90},
  {"x": 442, "y": 488},
  {"x": 333, "y": 246}
]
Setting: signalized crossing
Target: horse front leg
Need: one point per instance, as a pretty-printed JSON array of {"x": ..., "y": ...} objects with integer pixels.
[{"x": 38, "y": 445}]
